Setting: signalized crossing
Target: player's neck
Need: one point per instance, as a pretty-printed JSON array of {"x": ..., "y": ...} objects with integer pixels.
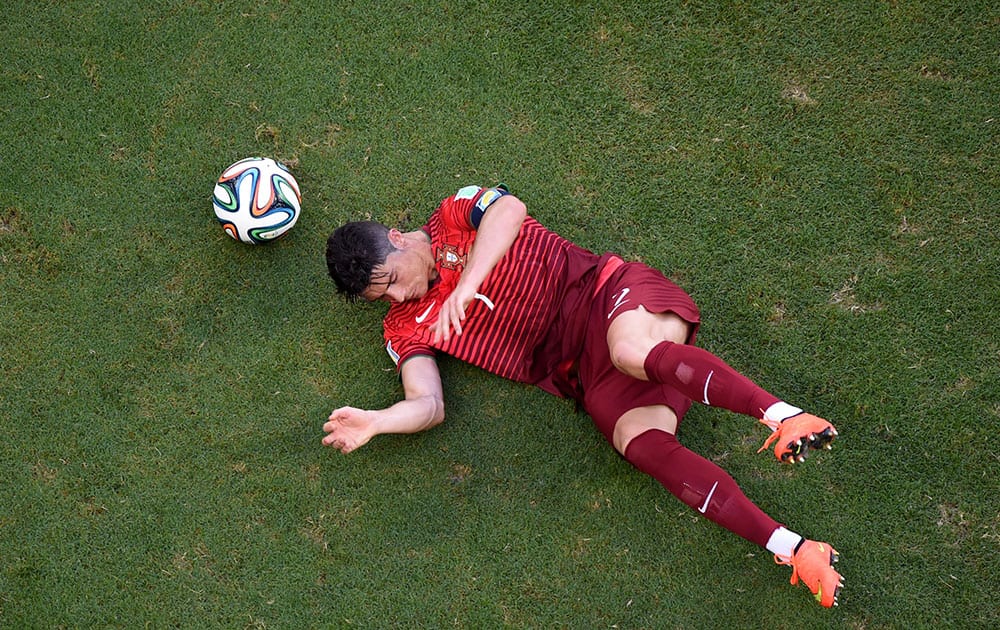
[{"x": 419, "y": 243}]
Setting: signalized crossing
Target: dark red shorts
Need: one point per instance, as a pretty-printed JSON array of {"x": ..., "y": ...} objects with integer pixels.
[{"x": 607, "y": 392}]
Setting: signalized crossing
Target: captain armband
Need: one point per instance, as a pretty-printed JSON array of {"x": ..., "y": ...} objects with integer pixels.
[{"x": 486, "y": 199}]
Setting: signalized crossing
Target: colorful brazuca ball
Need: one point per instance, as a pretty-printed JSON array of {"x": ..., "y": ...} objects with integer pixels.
[{"x": 257, "y": 200}]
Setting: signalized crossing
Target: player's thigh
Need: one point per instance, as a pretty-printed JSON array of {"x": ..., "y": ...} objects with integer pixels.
[
  {"x": 623, "y": 407},
  {"x": 637, "y": 421},
  {"x": 634, "y": 333}
]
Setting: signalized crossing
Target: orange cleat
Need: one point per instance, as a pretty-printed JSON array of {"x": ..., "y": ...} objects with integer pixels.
[
  {"x": 812, "y": 562},
  {"x": 796, "y": 435}
]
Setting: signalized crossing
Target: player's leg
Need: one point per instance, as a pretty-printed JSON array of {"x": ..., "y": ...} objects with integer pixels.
[
  {"x": 640, "y": 419},
  {"x": 645, "y": 436},
  {"x": 651, "y": 346}
]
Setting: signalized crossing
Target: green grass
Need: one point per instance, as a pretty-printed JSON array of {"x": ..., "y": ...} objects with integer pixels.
[{"x": 822, "y": 177}]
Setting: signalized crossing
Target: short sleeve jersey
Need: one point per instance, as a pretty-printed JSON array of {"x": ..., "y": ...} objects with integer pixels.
[{"x": 526, "y": 317}]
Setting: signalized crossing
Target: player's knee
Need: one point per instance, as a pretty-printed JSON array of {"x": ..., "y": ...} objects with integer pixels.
[
  {"x": 628, "y": 357},
  {"x": 659, "y": 421},
  {"x": 650, "y": 450},
  {"x": 697, "y": 482},
  {"x": 635, "y": 333}
]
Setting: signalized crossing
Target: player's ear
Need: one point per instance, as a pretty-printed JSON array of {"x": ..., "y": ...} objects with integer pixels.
[{"x": 396, "y": 238}]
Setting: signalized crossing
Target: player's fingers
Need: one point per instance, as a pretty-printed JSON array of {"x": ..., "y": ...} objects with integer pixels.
[
  {"x": 457, "y": 316},
  {"x": 339, "y": 443},
  {"x": 445, "y": 325},
  {"x": 334, "y": 423},
  {"x": 436, "y": 328}
]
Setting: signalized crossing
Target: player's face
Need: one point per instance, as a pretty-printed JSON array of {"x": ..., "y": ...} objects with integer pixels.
[{"x": 403, "y": 276}]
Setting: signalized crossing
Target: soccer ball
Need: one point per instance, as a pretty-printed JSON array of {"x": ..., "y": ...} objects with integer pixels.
[{"x": 256, "y": 200}]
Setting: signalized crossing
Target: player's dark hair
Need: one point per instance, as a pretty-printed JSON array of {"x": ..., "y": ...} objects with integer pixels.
[{"x": 352, "y": 251}]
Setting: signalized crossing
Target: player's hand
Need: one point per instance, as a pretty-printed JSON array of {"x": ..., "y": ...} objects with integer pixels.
[
  {"x": 452, "y": 314},
  {"x": 348, "y": 428}
]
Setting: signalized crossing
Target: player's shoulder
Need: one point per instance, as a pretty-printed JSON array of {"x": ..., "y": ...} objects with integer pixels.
[
  {"x": 462, "y": 199},
  {"x": 398, "y": 315},
  {"x": 406, "y": 318},
  {"x": 465, "y": 208},
  {"x": 467, "y": 192},
  {"x": 475, "y": 193}
]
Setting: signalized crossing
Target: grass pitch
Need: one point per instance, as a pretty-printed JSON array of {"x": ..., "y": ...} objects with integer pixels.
[{"x": 823, "y": 178}]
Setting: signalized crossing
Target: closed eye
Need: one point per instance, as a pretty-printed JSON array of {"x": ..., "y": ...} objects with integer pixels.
[{"x": 383, "y": 296}]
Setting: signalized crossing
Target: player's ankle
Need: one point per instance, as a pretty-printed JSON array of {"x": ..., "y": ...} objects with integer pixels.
[
  {"x": 781, "y": 411},
  {"x": 783, "y": 542}
]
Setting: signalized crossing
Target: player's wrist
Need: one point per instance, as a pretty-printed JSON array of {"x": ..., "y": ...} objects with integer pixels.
[{"x": 466, "y": 289}]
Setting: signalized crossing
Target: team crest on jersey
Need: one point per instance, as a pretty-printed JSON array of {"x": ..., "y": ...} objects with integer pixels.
[{"x": 449, "y": 257}]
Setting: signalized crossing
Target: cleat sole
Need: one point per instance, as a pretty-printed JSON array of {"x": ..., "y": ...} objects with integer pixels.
[{"x": 809, "y": 434}]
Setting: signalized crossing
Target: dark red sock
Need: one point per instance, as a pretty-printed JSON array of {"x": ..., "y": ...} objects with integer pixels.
[
  {"x": 705, "y": 378},
  {"x": 700, "y": 484}
]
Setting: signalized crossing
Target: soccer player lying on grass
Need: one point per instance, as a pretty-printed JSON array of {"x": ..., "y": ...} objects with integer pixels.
[{"x": 488, "y": 284}]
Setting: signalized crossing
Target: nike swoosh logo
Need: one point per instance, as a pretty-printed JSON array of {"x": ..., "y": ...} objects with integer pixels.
[
  {"x": 420, "y": 318},
  {"x": 704, "y": 506},
  {"x": 621, "y": 300}
]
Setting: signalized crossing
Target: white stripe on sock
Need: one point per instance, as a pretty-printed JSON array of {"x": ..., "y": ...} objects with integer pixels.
[
  {"x": 781, "y": 411},
  {"x": 782, "y": 542}
]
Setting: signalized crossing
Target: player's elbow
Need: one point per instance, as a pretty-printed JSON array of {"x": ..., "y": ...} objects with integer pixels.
[
  {"x": 509, "y": 211},
  {"x": 517, "y": 211},
  {"x": 436, "y": 404}
]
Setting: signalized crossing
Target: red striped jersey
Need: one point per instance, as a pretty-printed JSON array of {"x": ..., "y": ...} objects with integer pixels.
[{"x": 529, "y": 313}]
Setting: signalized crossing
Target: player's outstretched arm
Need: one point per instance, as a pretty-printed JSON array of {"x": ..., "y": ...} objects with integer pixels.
[
  {"x": 497, "y": 231},
  {"x": 349, "y": 428}
]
